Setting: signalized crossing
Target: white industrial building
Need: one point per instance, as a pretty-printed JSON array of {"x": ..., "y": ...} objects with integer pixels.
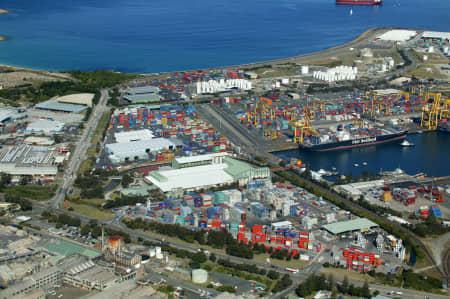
[
  {"x": 138, "y": 135},
  {"x": 193, "y": 173},
  {"x": 137, "y": 150},
  {"x": 28, "y": 160},
  {"x": 436, "y": 34},
  {"x": 44, "y": 126},
  {"x": 397, "y": 35},
  {"x": 339, "y": 73},
  {"x": 221, "y": 85},
  {"x": 354, "y": 189},
  {"x": 78, "y": 98}
]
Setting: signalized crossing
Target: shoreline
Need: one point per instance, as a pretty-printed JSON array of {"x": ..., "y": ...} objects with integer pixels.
[
  {"x": 4, "y": 11},
  {"x": 302, "y": 58}
]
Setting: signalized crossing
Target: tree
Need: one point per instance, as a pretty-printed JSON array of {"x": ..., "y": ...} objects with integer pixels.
[
  {"x": 212, "y": 257},
  {"x": 345, "y": 285},
  {"x": 365, "y": 291},
  {"x": 126, "y": 180},
  {"x": 273, "y": 274}
]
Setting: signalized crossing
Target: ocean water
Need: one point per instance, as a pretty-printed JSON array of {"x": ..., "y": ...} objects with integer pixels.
[
  {"x": 429, "y": 155},
  {"x": 155, "y": 36}
]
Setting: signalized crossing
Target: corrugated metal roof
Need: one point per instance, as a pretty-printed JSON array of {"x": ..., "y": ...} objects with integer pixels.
[
  {"x": 143, "y": 98},
  {"x": 358, "y": 224},
  {"x": 142, "y": 90},
  {"x": 136, "y": 148},
  {"x": 57, "y": 106}
]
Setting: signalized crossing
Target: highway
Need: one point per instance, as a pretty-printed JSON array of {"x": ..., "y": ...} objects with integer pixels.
[{"x": 79, "y": 154}]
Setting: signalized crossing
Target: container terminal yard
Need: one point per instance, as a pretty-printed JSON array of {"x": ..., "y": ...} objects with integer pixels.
[{"x": 185, "y": 157}]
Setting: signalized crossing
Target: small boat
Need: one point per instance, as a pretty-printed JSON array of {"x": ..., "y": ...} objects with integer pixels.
[
  {"x": 406, "y": 143},
  {"x": 355, "y": 165},
  {"x": 364, "y": 163},
  {"x": 351, "y": 11},
  {"x": 333, "y": 168}
]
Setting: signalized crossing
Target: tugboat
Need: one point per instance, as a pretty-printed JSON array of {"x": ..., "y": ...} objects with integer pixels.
[{"x": 406, "y": 143}]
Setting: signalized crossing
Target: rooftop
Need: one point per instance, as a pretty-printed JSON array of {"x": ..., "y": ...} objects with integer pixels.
[
  {"x": 190, "y": 177},
  {"x": 136, "y": 148},
  {"x": 45, "y": 126},
  {"x": 144, "y": 134},
  {"x": 358, "y": 224},
  {"x": 199, "y": 158},
  {"x": 142, "y": 90},
  {"x": 397, "y": 35},
  {"x": 436, "y": 34},
  {"x": 57, "y": 106},
  {"x": 78, "y": 98},
  {"x": 67, "y": 248},
  {"x": 143, "y": 98}
]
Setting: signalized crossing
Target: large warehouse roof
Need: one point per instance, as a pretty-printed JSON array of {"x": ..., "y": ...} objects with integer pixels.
[
  {"x": 358, "y": 224},
  {"x": 190, "y": 177},
  {"x": 45, "y": 126},
  {"x": 57, "y": 106},
  {"x": 397, "y": 35},
  {"x": 78, "y": 98},
  {"x": 136, "y": 148},
  {"x": 144, "y": 134},
  {"x": 143, "y": 98},
  {"x": 199, "y": 158},
  {"x": 436, "y": 34},
  {"x": 142, "y": 90}
]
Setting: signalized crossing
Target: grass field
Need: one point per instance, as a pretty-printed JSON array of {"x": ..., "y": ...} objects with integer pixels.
[
  {"x": 85, "y": 166},
  {"x": 339, "y": 274},
  {"x": 91, "y": 151},
  {"x": 428, "y": 71},
  {"x": 90, "y": 211},
  {"x": 40, "y": 193},
  {"x": 280, "y": 263},
  {"x": 101, "y": 126}
]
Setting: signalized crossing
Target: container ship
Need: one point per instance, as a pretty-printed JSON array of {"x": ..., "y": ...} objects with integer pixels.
[
  {"x": 348, "y": 137},
  {"x": 444, "y": 126},
  {"x": 359, "y": 2}
]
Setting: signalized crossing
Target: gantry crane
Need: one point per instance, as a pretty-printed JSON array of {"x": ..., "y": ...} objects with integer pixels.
[
  {"x": 405, "y": 94},
  {"x": 301, "y": 128},
  {"x": 434, "y": 111}
]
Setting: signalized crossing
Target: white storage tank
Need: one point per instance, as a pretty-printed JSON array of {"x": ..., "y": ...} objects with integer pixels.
[
  {"x": 199, "y": 276},
  {"x": 305, "y": 69},
  {"x": 158, "y": 249},
  {"x": 152, "y": 252}
]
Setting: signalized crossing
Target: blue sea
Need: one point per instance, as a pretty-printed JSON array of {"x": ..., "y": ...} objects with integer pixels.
[{"x": 156, "y": 36}]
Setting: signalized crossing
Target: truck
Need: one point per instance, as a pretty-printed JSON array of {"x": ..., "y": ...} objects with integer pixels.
[{"x": 292, "y": 270}]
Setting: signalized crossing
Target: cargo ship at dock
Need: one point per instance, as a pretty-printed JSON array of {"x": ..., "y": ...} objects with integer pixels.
[
  {"x": 359, "y": 2},
  {"x": 347, "y": 139}
]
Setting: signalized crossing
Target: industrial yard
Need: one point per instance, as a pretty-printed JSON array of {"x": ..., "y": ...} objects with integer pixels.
[{"x": 172, "y": 184}]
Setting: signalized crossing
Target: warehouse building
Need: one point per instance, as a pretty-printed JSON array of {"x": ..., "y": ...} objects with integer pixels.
[
  {"x": 52, "y": 105},
  {"x": 350, "y": 226},
  {"x": 44, "y": 126},
  {"x": 141, "y": 90},
  {"x": 139, "y": 150},
  {"x": 142, "y": 98},
  {"x": 8, "y": 113},
  {"x": 144, "y": 134},
  {"x": 78, "y": 98},
  {"x": 37, "y": 161},
  {"x": 204, "y": 171}
]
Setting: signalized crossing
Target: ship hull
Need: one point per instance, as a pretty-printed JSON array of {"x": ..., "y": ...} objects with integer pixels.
[
  {"x": 356, "y": 2},
  {"x": 362, "y": 142}
]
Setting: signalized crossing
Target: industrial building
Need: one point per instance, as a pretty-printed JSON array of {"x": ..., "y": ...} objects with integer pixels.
[
  {"x": 28, "y": 160},
  {"x": 52, "y": 105},
  {"x": 141, "y": 90},
  {"x": 138, "y": 150},
  {"x": 350, "y": 226},
  {"x": 78, "y": 98},
  {"x": 129, "y": 136},
  {"x": 44, "y": 126},
  {"x": 9, "y": 113},
  {"x": 203, "y": 171},
  {"x": 354, "y": 189},
  {"x": 142, "y": 98}
]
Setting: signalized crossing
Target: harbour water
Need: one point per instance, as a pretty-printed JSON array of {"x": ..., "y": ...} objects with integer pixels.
[
  {"x": 156, "y": 36},
  {"x": 429, "y": 155}
]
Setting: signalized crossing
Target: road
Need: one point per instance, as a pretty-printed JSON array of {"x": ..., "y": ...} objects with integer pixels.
[
  {"x": 79, "y": 154},
  {"x": 380, "y": 219}
]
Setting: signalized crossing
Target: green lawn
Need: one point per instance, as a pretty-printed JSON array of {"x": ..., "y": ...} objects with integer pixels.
[
  {"x": 41, "y": 193},
  {"x": 101, "y": 126}
]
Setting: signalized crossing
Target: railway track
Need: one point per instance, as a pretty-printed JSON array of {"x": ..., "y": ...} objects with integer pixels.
[{"x": 446, "y": 263}]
